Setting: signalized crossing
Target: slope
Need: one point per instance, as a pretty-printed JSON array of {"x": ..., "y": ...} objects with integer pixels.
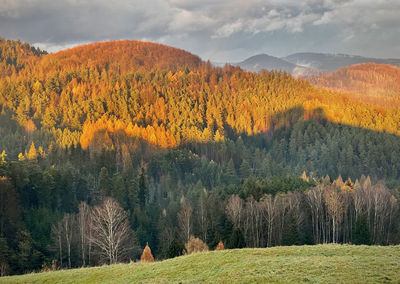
[
  {"x": 322, "y": 264},
  {"x": 332, "y": 62},
  {"x": 13, "y": 55},
  {"x": 375, "y": 83},
  {"x": 120, "y": 57}
]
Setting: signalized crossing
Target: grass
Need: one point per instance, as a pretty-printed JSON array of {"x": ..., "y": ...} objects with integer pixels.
[{"x": 295, "y": 264}]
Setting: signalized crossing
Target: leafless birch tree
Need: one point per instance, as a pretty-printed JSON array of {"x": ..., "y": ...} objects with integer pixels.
[
  {"x": 67, "y": 225},
  {"x": 111, "y": 233},
  {"x": 234, "y": 210},
  {"x": 185, "y": 221},
  {"x": 83, "y": 224}
]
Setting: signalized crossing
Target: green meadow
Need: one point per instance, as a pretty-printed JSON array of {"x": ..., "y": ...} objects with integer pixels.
[{"x": 294, "y": 264}]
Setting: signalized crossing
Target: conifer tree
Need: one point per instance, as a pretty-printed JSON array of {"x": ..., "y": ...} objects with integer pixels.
[
  {"x": 147, "y": 255},
  {"x": 220, "y": 246},
  {"x": 32, "y": 154},
  {"x": 143, "y": 191}
]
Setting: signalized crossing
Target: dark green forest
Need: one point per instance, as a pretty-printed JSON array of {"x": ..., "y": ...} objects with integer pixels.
[{"x": 185, "y": 148}]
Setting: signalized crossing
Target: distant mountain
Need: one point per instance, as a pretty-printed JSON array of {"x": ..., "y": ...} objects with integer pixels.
[
  {"x": 332, "y": 62},
  {"x": 268, "y": 62},
  {"x": 264, "y": 61}
]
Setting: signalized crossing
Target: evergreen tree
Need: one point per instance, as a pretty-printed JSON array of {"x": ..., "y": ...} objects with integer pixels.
[
  {"x": 32, "y": 154},
  {"x": 361, "y": 234},
  {"x": 142, "y": 190},
  {"x": 237, "y": 240}
]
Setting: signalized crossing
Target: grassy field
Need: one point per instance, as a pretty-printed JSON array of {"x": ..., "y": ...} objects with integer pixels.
[{"x": 315, "y": 264}]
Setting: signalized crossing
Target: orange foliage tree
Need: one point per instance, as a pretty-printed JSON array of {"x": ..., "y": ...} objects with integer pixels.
[
  {"x": 146, "y": 255},
  {"x": 220, "y": 246}
]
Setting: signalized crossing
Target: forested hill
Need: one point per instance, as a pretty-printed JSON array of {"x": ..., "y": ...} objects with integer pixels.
[
  {"x": 374, "y": 83},
  {"x": 76, "y": 94},
  {"x": 119, "y": 57},
  {"x": 167, "y": 136}
]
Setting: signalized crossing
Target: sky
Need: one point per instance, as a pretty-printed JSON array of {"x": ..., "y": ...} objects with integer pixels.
[{"x": 216, "y": 30}]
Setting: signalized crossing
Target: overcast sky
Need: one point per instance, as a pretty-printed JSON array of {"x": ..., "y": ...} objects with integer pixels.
[{"x": 219, "y": 30}]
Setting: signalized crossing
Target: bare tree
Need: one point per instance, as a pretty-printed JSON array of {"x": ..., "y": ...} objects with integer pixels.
[
  {"x": 359, "y": 201},
  {"x": 281, "y": 210},
  {"x": 393, "y": 207},
  {"x": 253, "y": 223},
  {"x": 202, "y": 214},
  {"x": 348, "y": 214},
  {"x": 335, "y": 208},
  {"x": 294, "y": 209},
  {"x": 111, "y": 235},
  {"x": 294, "y": 206},
  {"x": 269, "y": 206},
  {"x": 185, "y": 221},
  {"x": 381, "y": 204},
  {"x": 56, "y": 233},
  {"x": 4, "y": 268},
  {"x": 316, "y": 203},
  {"x": 67, "y": 225},
  {"x": 234, "y": 210},
  {"x": 83, "y": 224}
]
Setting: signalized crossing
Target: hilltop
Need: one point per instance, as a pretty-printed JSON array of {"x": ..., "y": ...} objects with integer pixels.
[
  {"x": 322, "y": 264},
  {"x": 120, "y": 57}
]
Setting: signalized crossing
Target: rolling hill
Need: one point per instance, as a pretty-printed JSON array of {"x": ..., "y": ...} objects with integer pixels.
[
  {"x": 119, "y": 57},
  {"x": 332, "y": 62},
  {"x": 316, "y": 264},
  {"x": 370, "y": 82}
]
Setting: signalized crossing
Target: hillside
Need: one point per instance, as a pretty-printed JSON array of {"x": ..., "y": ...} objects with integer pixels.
[
  {"x": 375, "y": 83},
  {"x": 120, "y": 57},
  {"x": 332, "y": 62},
  {"x": 14, "y": 54},
  {"x": 315, "y": 264}
]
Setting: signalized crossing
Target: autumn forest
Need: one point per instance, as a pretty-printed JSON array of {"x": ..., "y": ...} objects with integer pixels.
[{"x": 180, "y": 150}]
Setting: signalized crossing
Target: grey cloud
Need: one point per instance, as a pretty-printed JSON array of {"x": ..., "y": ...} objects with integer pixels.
[{"x": 215, "y": 29}]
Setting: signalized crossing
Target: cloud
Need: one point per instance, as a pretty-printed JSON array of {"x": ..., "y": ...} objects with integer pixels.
[{"x": 368, "y": 27}]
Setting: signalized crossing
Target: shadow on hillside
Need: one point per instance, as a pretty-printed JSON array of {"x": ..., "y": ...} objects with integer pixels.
[{"x": 298, "y": 140}]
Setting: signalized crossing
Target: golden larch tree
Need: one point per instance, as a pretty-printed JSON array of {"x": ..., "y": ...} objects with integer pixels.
[{"x": 146, "y": 255}]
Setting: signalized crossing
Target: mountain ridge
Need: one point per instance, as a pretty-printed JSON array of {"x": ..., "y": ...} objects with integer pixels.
[{"x": 332, "y": 62}]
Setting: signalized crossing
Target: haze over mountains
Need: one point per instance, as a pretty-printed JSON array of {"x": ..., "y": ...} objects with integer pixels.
[{"x": 308, "y": 63}]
